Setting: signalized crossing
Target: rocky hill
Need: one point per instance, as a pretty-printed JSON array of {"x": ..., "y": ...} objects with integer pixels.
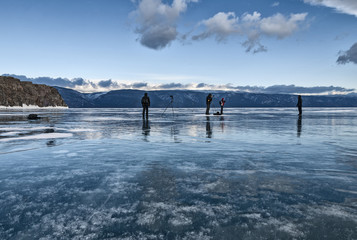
[
  {"x": 14, "y": 93},
  {"x": 192, "y": 99}
]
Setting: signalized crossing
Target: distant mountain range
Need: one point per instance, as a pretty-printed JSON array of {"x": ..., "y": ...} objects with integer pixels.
[{"x": 193, "y": 99}]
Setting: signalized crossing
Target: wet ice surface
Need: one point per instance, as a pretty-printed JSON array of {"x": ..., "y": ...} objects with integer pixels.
[{"x": 250, "y": 174}]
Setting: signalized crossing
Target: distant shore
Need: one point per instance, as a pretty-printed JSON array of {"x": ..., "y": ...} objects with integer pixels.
[{"x": 24, "y": 106}]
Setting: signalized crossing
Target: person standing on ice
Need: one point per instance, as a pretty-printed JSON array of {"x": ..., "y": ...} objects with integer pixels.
[
  {"x": 208, "y": 103},
  {"x": 145, "y": 102},
  {"x": 221, "y": 103},
  {"x": 299, "y": 105}
]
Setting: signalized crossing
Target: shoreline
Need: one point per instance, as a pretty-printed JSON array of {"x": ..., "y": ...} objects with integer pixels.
[{"x": 24, "y": 106}]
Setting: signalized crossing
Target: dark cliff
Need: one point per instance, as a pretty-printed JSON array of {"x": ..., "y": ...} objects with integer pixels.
[{"x": 15, "y": 93}]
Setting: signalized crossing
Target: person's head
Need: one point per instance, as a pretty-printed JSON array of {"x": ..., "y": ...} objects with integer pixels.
[
  {"x": 145, "y": 94},
  {"x": 222, "y": 99},
  {"x": 210, "y": 94},
  {"x": 299, "y": 97}
]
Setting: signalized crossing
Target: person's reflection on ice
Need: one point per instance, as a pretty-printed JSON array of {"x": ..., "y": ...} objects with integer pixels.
[
  {"x": 299, "y": 126},
  {"x": 208, "y": 128},
  {"x": 221, "y": 119},
  {"x": 146, "y": 129}
]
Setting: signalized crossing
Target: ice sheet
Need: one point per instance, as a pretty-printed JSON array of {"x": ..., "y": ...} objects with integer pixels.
[{"x": 249, "y": 174}]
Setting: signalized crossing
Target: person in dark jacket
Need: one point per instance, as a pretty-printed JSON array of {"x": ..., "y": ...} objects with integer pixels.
[
  {"x": 299, "y": 105},
  {"x": 221, "y": 103},
  {"x": 145, "y": 102},
  {"x": 208, "y": 103}
]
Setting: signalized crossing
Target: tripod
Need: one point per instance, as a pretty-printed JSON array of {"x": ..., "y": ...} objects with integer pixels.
[
  {"x": 172, "y": 106},
  {"x": 214, "y": 108}
]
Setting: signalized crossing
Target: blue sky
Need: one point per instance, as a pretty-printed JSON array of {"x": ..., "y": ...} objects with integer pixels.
[{"x": 242, "y": 43}]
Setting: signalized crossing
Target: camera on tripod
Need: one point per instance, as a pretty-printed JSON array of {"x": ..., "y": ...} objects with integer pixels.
[{"x": 170, "y": 104}]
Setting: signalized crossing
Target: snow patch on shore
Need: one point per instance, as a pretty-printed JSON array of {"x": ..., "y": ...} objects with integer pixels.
[{"x": 25, "y": 106}]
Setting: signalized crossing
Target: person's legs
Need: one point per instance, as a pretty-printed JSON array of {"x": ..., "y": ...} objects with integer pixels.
[
  {"x": 143, "y": 112},
  {"x": 300, "y": 110},
  {"x": 147, "y": 112},
  {"x": 221, "y": 110},
  {"x": 207, "y": 109}
]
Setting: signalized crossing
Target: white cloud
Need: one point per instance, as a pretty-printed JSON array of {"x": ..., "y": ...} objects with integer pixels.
[
  {"x": 252, "y": 26},
  {"x": 343, "y": 6},
  {"x": 90, "y": 86},
  {"x": 156, "y": 25},
  {"x": 221, "y": 25},
  {"x": 157, "y": 21},
  {"x": 280, "y": 26},
  {"x": 275, "y": 4},
  {"x": 251, "y": 17}
]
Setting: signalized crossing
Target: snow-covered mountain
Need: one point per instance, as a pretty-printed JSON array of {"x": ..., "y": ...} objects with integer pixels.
[{"x": 192, "y": 99}]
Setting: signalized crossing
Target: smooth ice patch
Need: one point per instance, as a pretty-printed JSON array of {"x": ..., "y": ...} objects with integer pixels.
[
  {"x": 82, "y": 130},
  {"x": 39, "y": 136},
  {"x": 72, "y": 155},
  {"x": 9, "y": 134},
  {"x": 60, "y": 152},
  {"x": 23, "y": 128}
]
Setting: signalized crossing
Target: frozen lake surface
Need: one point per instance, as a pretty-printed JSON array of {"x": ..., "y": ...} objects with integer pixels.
[{"x": 250, "y": 174}]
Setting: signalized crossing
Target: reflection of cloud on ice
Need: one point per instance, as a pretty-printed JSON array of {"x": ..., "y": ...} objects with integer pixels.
[
  {"x": 39, "y": 136},
  {"x": 9, "y": 134},
  {"x": 23, "y": 128},
  {"x": 81, "y": 130},
  {"x": 60, "y": 152},
  {"x": 72, "y": 155}
]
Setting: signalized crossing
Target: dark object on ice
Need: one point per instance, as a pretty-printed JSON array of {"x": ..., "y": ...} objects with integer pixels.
[
  {"x": 299, "y": 105},
  {"x": 208, "y": 103},
  {"x": 33, "y": 117},
  {"x": 49, "y": 130},
  {"x": 51, "y": 143},
  {"x": 217, "y": 113},
  {"x": 221, "y": 103},
  {"x": 172, "y": 106},
  {"x": 145, "y": 102}
]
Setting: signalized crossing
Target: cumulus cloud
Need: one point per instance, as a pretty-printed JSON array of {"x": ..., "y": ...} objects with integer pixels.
[
  {"x": 281, "y": 26},
  {"x": 342, "y": 6},
  {"x": 252, "y": 26},
  {"x": 60, "y": 82},
  {"x": 79, "y": 84},
  {"x": 157, "y": 21},
  {"x": 106, "y": 83},
  {"x": 83, "y": 85},
  {"x": 157, "y": 25},
  {"x": 292, "y": 89},
  {"x": 221, "y": 26},
  {"x": 348, "y": 56}
]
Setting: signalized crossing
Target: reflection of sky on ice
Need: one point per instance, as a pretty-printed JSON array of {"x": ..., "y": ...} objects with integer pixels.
[{"x": 250, "y": 174}]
